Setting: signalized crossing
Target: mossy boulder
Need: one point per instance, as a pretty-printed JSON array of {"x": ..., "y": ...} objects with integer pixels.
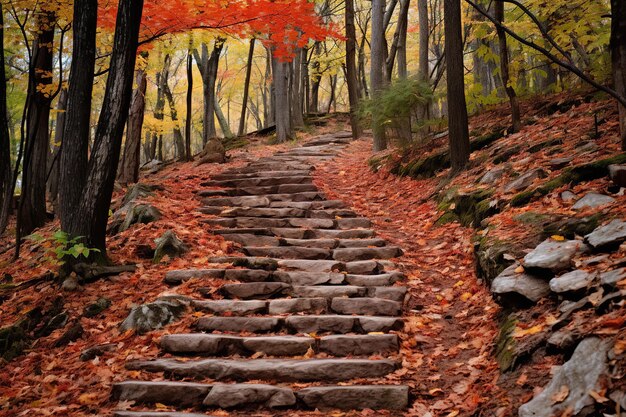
[
  {"x": 572, "y": 176},
  {"x": 493, "y": 256},
  {"x": 469, "y": 208},
  {"x": 505, "y": 343}
]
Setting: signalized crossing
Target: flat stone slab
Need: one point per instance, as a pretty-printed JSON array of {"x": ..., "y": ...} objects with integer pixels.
[
  {"x": 331, "y": 213},
  {"x": 247, "y": 275},
  {"x": 361, "y": 243},
  {"x": 309, "y": 205},
  {"x": 607, "y": 236},
  {"x": 259, "y": 181},
  {"x": 240, "y": 324},
  {"x": 260, "y": 174},
  {"x": 554, "y": 256},
  {"x": 222, "y": 345},
  {"x": 156, "y": 414},
  {"x": 183, "y": 394},
  {"x": 356, "y": 397},
  {"x": 311, "y": 243},
  {"x": 342, "y": 324},
  {"x": 510, "y": 285},
  {"x": 364, "y": 267},
  {"x": 593, "y": 200},
  {"x": 179, "y": 276},
  {"x": 354, "y": 223},
  {"x": 299, "y": 305},
  {"x": 572, "y": 281},
  {"x": 305, "y": 265},
  {"x": 308, "y": 278},
  {"x": 342, "y": 234},
  {"x": 366, "y": 306},
  {"x": 288, "y": 252},
  {"x": 611, "y": 278},
  {"x": 252, "y": 239},
  {"x": 524, "y": 181},
  {"x": 360, "y": 254},
  {"x": 380, "y": 280},
  {"x": 262, "y": 212},
  {"x": 328, "y": 291},
  {"x": 254, "y": 290},
  {"x": 388, "y": 293},
  {"x": 242, "y": 395},
  {"x": 584, "y": 372},
  {"x": 359, "y": 344},
  {"x": 235, "y": 307},
  {"x": 270, "y": 369}
]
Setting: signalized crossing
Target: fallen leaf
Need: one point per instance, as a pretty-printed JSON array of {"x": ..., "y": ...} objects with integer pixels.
[
  {"x": 561, "y": 394},
  {"x": 519, "y": 332}
]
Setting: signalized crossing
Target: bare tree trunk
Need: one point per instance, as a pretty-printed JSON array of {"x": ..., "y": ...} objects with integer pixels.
[
  {"x": 129, "y": 169},
  {"x": 618, "y": 59},
  {"x": 457, "y": 110},
  {"x": 53, "y": 169},
  {"x": 351, "y": 74},
  {"x": 333, "y": 87},
  {"x": 208, "y": 66},
  {"x": 284, "y": 129},
  {"x": 6, "y": 183},
  {"x": 376, "y": 69},
  {"x": 246, "y": 89},
  {"x": 32, "y": 208},
  {"x": 296, "y": 91},
  {"x": 222, "y": 120},
  {"x": 504, "y": 69},
  {"x": 73, "y": 163},
  {"x": 189, "y": 104},
  {"x": 398, "y": 45},
  {"x": 93, "y": 211}
]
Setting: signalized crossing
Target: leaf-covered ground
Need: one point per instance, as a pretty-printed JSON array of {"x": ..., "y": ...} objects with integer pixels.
[{"x": 452, "y": 322}]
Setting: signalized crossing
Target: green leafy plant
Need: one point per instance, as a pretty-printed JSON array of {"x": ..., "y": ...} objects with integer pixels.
[
  {"x": 59, "y": 246},
  {"x": 398, "y": 106}
]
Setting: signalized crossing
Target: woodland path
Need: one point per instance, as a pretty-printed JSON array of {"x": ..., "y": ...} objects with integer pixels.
[{"x": 309, "y": 317}]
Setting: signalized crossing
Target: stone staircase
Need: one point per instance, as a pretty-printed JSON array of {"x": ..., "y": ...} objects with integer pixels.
[{"x": 313, "y": 301}]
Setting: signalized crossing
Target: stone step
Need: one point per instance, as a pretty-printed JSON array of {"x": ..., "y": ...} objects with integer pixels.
[
  {"x": 252, "y": 239},
  {"x": 317, "y": 324},
  {"x": 310, "y": 205},
  {"x": 257, "y": 191},
  {"x": 156, "y": 414},
  {"x": 356, "y": 397},
  {"x": 224, "y": 345},
  {"x": 228, "y": 396},
  {"x": 331, "y": 243},
  {"x": 278, "y": 212},
  {"x": 288, "y": 252},
  {"x": 305, "y": 265},
  {"x": 260, "y": 200},
  {"x": 266, "y": 222},
  {"x": 264, "y": 290},
  {"x": 366, "y": 306},
  {"x": 235, "y": 175},
  {"x": 279, "y": 370},
  {"x": 301, "y": 233},
  {"x": 361, "y": 254},
  {"x": 259, "y": 181}
]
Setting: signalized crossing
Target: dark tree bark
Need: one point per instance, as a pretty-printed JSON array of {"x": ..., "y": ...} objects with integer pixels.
[
  {"x": 316, "y": 79},
  {"x": 73, "y": 160},
  {"x": 284, "y": 128},
  {"x": 208, "y": 66},
  {"x": 457, "y": 110},
  {"x": 398, "y": 45},
  {"x": 179, "y": 142},
  {"x": 332, "y": 79},
  {"x": 32, "y": 209},
  {"x": 422, "y": 11},
  {"x": 504, "y": 69},
  {"x": 246, "y": 89},
  {"x": 53, "y": 169},
  {"x": 189, "y": 104},
  {"x": 93, "y": 211},
  {"x": 129, "y": 169},
  {"x": 6, "y": 183},
  {"x": 297, "y": 118},
  {"x": 351, "y": 74},
  {"x": 376, "y": 69},
  {"x": 618, "y": 59}
]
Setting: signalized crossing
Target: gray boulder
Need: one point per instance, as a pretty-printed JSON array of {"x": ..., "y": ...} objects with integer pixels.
[
  {"x": 572, "y": 281},
  {"x": 524, "y": 181},
  {"x": 592, "y": 200},
  {"x": 609, "y": 235},
  {"x": 554, "y": 256},
  {"x": 611, "y": 278},
  {"x": 509, "y": 285},
  {"x": 151, "y": 316},
  {"x": 584, "y": 372}
]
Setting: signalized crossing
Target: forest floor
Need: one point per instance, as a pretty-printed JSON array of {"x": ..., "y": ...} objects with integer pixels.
[{"x": 452, "y": 322}]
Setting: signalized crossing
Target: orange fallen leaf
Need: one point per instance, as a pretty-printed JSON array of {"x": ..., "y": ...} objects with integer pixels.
[{"x": 561, "y": 394}]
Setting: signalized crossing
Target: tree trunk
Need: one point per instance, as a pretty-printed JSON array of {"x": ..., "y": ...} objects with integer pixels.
[
  {"x": 189, "y": 107},
  {"x": 376, "y": 69},
  {"x": 332, "y": 79},
  {"x": 32, "y": 210},
  {"x": 422, "y": 11},
  {"x": 246, "y": 89},
  {"x": 222, "y": 120},
  {"x": 618, "y": 59},
  {"x": 296, "y": 91},
  {"x": 504, "y": 69},
  {"x": 398, "y": 45},
  {"x": 129, "y": 171},
  {"x": 284, "y": 129},
  {"x": 351, "y": 74},
  {"x": 457, "y": 110},
  {"x": 179, "y": 142},
  {"x": 93, "y": 212},
  {"x": 53, "y": 169},
  {"x": 208, "y": 66},
  {"x": 6, "y": 183},
  {"x": 73, "y": 161}
]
